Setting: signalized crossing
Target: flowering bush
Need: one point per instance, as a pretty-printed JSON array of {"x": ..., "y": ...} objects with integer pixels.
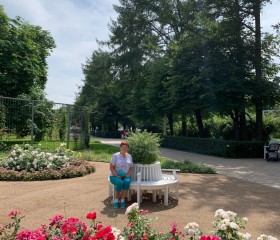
[
  {"x": 227, "y": 227},
  {"x": 26, "y": 163},
  {"x": 30, "y": 159}
]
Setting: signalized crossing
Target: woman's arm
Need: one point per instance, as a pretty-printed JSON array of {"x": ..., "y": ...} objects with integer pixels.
[
  {"x": 130, "y": 171},
  {"x": 113, "y": 171}
]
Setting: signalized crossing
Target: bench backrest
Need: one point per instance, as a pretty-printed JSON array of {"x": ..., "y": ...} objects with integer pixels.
[{"x": 149, "y": 172}]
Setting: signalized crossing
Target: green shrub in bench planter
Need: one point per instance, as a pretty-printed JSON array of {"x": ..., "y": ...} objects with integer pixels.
[{"x": 143, "y": 146}]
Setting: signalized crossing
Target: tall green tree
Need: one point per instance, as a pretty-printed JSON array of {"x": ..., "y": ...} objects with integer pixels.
[{"x": 24, "y": 49}]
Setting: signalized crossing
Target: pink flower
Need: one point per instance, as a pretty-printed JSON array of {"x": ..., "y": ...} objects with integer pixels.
[
  {"x": 130, "y": 224},
  {"x": 56, "y": 219},
  {"x": 145, "y": 236},
  {"x": 30, "y": 235},
  {"x": 72, "y": 226},
  {"x": 91, "y": 215},
  {"x": 173, "y": 228},
  {"x": 142, "y": 212},
  {"x": 14, "y": 213},
  {"x": 214, "y": 237}
]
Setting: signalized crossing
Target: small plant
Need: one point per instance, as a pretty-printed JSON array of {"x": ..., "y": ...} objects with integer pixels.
[{"x": 144, "y": 147}]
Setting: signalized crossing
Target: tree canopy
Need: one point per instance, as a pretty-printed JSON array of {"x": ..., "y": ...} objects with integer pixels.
[
  {"x": 24, "y": 49},
  {"x": 190, "y": 59}
]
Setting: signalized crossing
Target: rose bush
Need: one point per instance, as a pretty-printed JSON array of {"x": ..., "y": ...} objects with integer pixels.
[
  {"x": 28, "y": 163},
  {"x": 226, "y": 227}
]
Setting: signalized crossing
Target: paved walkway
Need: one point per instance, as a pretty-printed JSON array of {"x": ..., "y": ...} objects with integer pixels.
[{"x": 254, "y": 170}]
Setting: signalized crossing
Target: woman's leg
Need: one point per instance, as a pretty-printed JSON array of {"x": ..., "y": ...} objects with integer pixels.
[
  {"x": 118, "y": 182},
  {"x": 126, "y": 185}
]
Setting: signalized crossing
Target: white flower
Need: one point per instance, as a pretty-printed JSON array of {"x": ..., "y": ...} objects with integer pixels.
[
  {"x": 231, "y": 214},
  {"x": 131, "y": 207},
  {"x": 225, "y": 222},
  {"x": 244, "y": 236},
  {"x": 234, "y": 226},
  {"x": 191, "y": 232},
  {"x": 223, "y": 227},
  {"x": 271, "y": 238},
  {"x": 117, "y": 233},
  {"x": 218, "y": 212},
  {"x": 245, "y": 219},
  {"x": 262, "y": 237},
  {"x": 191, "y": 228}
]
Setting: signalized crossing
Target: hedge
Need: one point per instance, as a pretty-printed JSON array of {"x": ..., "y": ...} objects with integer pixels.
[{"x": 221, "y": 148}]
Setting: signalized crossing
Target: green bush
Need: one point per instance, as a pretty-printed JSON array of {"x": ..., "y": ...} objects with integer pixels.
[
  {"x": 144, "y": 147},
  {"x": 187, "y": 167},
  {"x": 222, "y": 148}
]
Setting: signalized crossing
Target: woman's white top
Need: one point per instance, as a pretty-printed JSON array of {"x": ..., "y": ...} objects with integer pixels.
[{"x": 122, "y": 163}]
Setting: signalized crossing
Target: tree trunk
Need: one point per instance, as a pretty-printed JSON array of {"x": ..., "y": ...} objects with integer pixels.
[
  {"x": 235, "y": 119},
  {"x": 170, "y": 121},
  {"x": 243, "y": 126},
  {"x": 259, "y": 120},
  {"x": 198, "y": 118},
  {"x": 184, "y": 125}
]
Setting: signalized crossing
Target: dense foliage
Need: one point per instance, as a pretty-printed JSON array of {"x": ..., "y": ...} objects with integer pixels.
[
  {"x": 143, "y": 146},
  {"x": 184, "y": 61}
]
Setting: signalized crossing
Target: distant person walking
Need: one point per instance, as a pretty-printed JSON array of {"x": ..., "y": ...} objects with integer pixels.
[{"x": 124, "y": 134}]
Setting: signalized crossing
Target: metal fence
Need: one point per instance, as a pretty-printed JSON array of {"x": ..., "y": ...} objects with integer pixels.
[{"x": 44, "y": 122}]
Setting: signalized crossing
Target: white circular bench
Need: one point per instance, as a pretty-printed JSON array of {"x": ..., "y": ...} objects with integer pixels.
[{"x": 150, "y": 177}]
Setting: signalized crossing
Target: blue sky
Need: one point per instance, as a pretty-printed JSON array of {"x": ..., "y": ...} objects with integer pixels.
[{"x": 75, "y": 25}]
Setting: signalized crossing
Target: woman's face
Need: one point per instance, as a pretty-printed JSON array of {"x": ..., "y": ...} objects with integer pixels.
[{"x": 124, "y": 148}]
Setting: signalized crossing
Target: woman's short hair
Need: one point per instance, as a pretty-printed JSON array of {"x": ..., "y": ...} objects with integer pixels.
[{"x": 124, "y": 143}]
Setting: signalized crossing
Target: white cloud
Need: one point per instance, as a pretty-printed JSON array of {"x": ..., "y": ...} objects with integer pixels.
[{"x": 75, "y": 25}]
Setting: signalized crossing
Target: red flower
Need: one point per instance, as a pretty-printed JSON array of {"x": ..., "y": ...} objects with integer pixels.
[
  {"x": 14, "y": 213},
  {"x": 105, "y": 234},
  {"x": 91, "y": 215},
  {"x": 173, "y": 228},
  {"x": 72, "y": 226},
  {"x": 99, "y": 226},
  {"x": 214, "y": 237},
  {"x": 55, "y": 219}
]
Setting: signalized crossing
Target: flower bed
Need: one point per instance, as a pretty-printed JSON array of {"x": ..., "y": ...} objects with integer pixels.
[
  {"x": 227, "y": 227},
  {"x": 28, "y": 164}
]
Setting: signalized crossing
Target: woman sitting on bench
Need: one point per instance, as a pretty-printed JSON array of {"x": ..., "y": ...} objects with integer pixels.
[{"x": 121, "y": 167}]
